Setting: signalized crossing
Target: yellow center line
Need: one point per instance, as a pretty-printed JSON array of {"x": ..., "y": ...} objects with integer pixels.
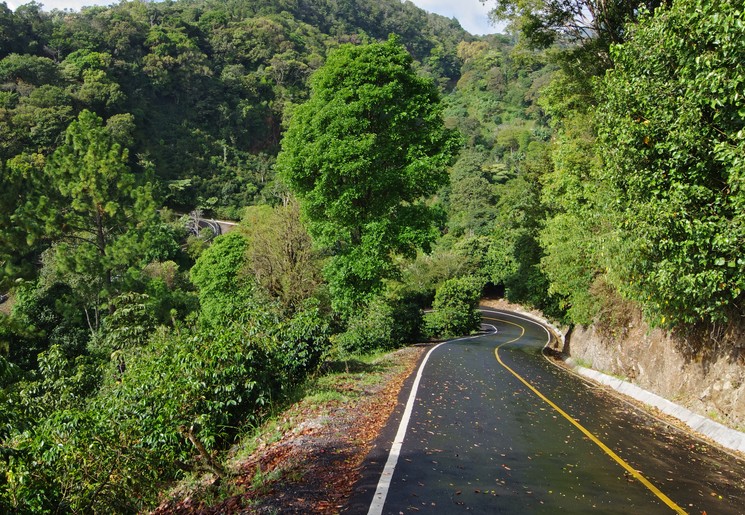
[{"x": 579, "y": 426}]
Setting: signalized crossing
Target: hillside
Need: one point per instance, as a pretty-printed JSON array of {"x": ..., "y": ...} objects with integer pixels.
[
  {"x": 198, "y": 90},
  {"x": 387, "y": 169}
]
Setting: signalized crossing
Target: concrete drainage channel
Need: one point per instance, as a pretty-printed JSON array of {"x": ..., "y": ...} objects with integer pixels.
[{"x": 726, "y": 437}]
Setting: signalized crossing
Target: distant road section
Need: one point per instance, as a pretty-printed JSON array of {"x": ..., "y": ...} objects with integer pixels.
[
  {"x": 217, "y": 226},
  {"x": 197, "y": 224}
]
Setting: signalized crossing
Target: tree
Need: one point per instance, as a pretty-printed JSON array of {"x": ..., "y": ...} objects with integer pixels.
[
  {"x": 20, "y": 180},
  {"x": 545, "y": 22},
  {"x": 671, "y": 131},
  {"x": 99, "y": 214},
  {"x": 513, "y": 258},
  {"x": 280, "y": 254},
  {"x": 455, "y": 308},
  {"x": 223, "y": 293},
  {"x": 363, "y": 155}
]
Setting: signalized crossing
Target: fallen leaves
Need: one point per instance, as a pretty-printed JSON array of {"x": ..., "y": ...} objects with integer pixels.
[{"x": 320, "y": 452}]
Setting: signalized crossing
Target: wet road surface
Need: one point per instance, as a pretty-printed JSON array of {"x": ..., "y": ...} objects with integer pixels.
[{"x": 495, "y": 427}]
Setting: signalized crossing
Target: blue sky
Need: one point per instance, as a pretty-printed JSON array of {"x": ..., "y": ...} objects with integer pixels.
[{"x": 472, "y": 14}]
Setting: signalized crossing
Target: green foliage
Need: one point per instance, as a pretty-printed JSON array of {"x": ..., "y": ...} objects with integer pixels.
[
  {"x": 28, "y": 69},
  {"x": 59, "y": 383},
  {"x": 373, "y": 327},
  {"x": 514, "y": 257},
  {"x": 224, "y": 292},
  {"x": 471, "y": 204},
  {"x": 136, "y": 430},
  {"x": 671, "y": 126},
  {"x": 130, "y": 324},
  {"x": 207, "y": 84},
  {"x": 301, "y": 341},
  {"x": 44, "y": 315},
  {"x": 101, "y": 216},
  {"x": 280, "y": 254},
  {"x": 454, "y": 310},
  {"x": 193, "y": 95},
  {"x": 386, "y": 322},
  {"x": 9, "y": 372},
  {"x": 72, "y": 461},
  {"x": 580, "y": 224},
  {"x": 111, "y": 452},
  {"x": 169, "y": 294},
  {"x": 597, "y": 22},
  {"x": 362, "y": 155},
  {"x": 19, "y": 177}
]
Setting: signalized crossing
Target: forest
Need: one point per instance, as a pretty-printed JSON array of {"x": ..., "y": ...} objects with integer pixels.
[{"x": 381, "y": 163}]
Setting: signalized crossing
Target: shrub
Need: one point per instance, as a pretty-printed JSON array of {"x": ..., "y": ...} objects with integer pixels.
[
  {"x": 454, "y": 308},
  {"x": 386, "y": 322},
  {"x": 302, "y": 340},
  {"x": 223, "y": 293},
  {"x": 372, "y": 327}
]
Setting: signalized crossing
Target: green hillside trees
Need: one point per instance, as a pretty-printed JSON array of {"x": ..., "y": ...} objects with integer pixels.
[
  {"x": 672, "y": 131},
  {"x": 363, "y": 155}
]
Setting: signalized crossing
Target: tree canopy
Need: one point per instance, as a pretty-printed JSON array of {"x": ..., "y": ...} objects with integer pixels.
[
  {"x": 672, "y": 133},
  {"x": 363, "y": 154}
]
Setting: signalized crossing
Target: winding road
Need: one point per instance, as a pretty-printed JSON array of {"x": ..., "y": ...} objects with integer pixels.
[{"x": 490, "y": 425}]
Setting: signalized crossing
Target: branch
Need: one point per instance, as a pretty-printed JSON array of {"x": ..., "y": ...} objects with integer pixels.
[{"x": 211, "y": 464}]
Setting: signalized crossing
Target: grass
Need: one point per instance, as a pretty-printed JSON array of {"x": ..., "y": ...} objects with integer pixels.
[
  {"x": 326, "y": 396},
  {"x": 262, "y": 480},
  {"x": 582, "y": 362},
  {"x": 338, "y": 382},
  {"x": 716, "y": 416}
]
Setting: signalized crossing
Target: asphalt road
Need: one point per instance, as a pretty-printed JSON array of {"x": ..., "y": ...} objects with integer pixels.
[{"x": 495, "y": 427}]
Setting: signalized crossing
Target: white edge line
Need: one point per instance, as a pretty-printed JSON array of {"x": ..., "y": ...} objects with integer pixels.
[{"x": 376, "y": 506}]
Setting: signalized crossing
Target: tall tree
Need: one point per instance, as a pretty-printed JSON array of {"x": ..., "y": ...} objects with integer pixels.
[
  {"x": 544, "y": 22},
  {"x": 100, "y": 214},
  {"x": 363, "y": 155}
]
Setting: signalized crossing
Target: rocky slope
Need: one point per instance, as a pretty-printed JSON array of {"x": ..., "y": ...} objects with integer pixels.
[{"x": 707, "y": 379}]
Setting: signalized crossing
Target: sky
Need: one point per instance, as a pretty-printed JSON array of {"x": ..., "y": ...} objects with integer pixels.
[{"x": 472, "y": 14}]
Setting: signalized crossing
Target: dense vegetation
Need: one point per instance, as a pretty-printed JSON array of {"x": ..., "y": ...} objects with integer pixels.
[
  {"x": 643, "y": 195},
  {"x": 581, "y": 164}
]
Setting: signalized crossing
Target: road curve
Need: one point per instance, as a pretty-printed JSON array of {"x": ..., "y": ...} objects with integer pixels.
[{"x": 489, "y": 425}]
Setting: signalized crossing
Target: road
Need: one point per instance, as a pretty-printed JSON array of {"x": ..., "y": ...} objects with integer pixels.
[{"x": 495, "y": 427}]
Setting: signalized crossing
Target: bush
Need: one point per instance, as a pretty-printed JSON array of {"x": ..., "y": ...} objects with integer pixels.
[
  {"x": 372, "y": 327},
  {"x": 223, "y": 292},
  {"x": 454, "y": 309},
  {"x": 44, "y": 316},
  {"x": 164, "y": 407},
  {"x": 302, "y": 340}
]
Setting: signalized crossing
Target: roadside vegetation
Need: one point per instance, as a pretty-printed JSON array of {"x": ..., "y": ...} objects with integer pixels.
[{"x": 380, "y": 162}]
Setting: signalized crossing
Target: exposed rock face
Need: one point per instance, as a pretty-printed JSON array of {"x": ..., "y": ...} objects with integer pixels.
[{"x": 703, "y": 370}]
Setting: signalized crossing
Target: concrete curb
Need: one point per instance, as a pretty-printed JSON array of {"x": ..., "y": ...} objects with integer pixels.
[{"x": 725, "y": 436}]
